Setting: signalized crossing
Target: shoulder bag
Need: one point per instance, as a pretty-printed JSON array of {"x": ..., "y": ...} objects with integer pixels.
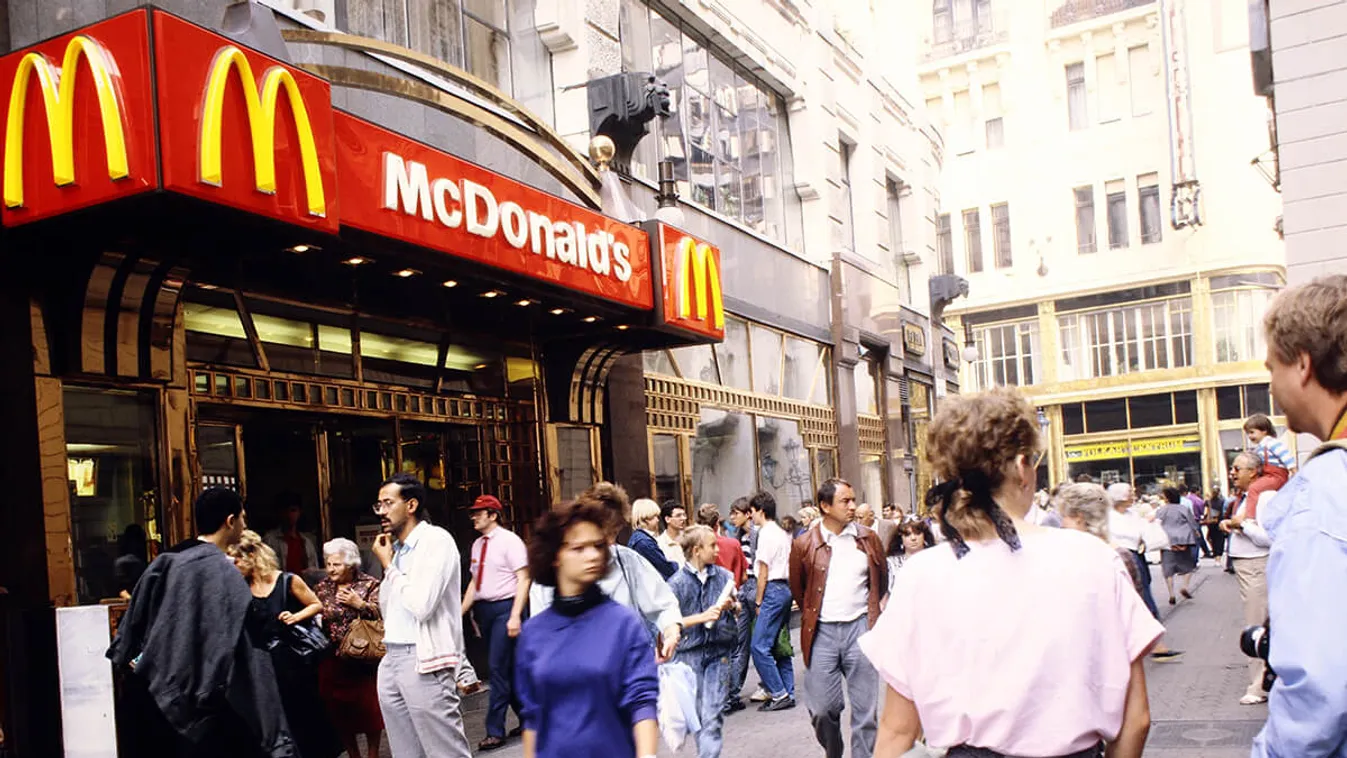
[
  {"x": 364, "y": 640},
  {"x": 303, "y": 641}
]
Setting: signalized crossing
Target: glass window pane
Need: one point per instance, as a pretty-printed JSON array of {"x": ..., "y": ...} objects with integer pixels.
[
  {"x": 488, "y": 11},
  {"x": 1228, "y": 405},
  {"x": 114, "y": 494},
  {"x": 575, "y": 461},
  {"x": 1106, "y": 415},
  {"x": 384, "y": 347},
  {"x": 697, "y": 73},
  {"x": 668, "y": 475},
  {"x": 215, "y": 335},
  {"x": 435, "y": 29},
  {"x": 1257, "y": 399},
  {"x": 488, "y": 53},
  {"x": 1151, "y": 410},
  {"x": 866, "y": 401},
  {"x": 724, "y": 463},
  {"x": 802, "y": 364},
  {"x": 871, "y": 489},
  {"x": 783, "y": 464},
  {"x": 657, "y": 362},
  {"x": 823, "y": 383},
  {"x": 1185, "y": 407},
  {"x": 1073, "y": 419},
  {"x": 696, "y": 362},
  {"x": 732, "y": 355},
  {"x": 825, "y": 463},
  {"x": 766, "y": 360}
]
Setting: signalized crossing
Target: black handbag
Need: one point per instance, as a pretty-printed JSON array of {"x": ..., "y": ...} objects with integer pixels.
[{"x": 305, "y": 641}]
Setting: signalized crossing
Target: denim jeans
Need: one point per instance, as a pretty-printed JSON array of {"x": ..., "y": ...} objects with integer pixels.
[
  {"x": 837, "y": 660},
  {"x": 493, "y": 617},
  {"x": 712, "y": 669},
  {"x": 777, "y": 674},
  {"x": 1146, "y": 597},
  {"x": 748, "y": 595}
]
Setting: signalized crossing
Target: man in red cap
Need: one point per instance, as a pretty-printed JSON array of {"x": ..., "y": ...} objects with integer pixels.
[{"x": 497, "y": 594}]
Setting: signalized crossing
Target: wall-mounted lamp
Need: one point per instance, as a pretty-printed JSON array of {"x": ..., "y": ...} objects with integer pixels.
[
  {"x": 669, "y": 211},
  {"x": 970, "y": 349}
]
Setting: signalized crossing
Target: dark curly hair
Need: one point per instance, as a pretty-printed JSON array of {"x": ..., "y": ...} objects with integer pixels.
[
  {"x": 911, "y": 526},
  {"x": 550, "y": 532}
]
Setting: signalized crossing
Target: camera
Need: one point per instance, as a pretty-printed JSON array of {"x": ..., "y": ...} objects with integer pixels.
[{"x": 1255, "y": 641}]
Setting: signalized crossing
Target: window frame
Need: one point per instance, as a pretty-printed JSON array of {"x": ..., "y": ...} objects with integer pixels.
[
  {"x": 1152, "y": 193},
  {"x": 1001, "y": 239},
  {"x": 1077, "y": 119},
  {"x": 944, "y": 243},
  {"x": 972, "y": 238},
  {"x": 1113, "y": 341},
  {"x": 1117, "y": 232},
  {"x": 994, "y": 370},
  {"x": 845, "y": 153},
  {"x": 1084, "y": 247}
]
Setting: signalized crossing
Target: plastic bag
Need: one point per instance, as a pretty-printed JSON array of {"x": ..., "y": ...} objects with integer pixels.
[{"x": 677, "y": 705}]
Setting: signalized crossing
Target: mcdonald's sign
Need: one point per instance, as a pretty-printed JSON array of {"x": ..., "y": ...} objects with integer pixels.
[
  {"x": 78, "y": 121},
  {"x": 242, "y": 129},
  {"x": 692, "y": 297}
]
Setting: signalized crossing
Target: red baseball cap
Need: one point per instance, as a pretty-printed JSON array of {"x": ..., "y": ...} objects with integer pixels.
[{"x": 487, "y": 503}]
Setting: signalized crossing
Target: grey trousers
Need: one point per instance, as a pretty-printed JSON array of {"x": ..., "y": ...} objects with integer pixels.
[
  {"x": 835, "y": 657},
  {"x": 421, "y": 711}
]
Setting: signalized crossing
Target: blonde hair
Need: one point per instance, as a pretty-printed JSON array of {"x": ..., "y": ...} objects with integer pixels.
[
  {"x": 643, "y": 509},
  {"x": 693, "y": 536},
  {"x": 1312, "y": 319},
  {"x": 255, "y": 556},
  {"x": 808, "y": 514}
]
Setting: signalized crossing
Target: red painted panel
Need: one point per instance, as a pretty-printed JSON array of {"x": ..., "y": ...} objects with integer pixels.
[
  {"x": 185, "y": 57},
  {"x": 121, "y": 45},
  {"x": 399, "y": 188},
  {"x": 692, "y": 287}
]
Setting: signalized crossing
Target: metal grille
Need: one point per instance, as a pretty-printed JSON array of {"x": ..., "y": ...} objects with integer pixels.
[
  {"x": 673, "y": 405},
  {"x": 870, "y": 429}
]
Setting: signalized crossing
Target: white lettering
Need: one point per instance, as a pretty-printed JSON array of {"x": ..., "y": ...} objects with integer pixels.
[
  {"x": 541, "y": 228},
  {"x": 581, "y": 245},
  {"x": 598, "y": 252},
  {"x": 514, "y": 224},
  {"x": 406, "y": 187},
  {"x": 566, "y": 243},
  {"x": 622, "y": 261},
  {"x": 443, "y": 192},
  {"x": 472, "y": 192}
]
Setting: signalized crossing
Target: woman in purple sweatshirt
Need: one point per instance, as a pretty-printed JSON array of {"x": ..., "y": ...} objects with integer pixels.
[{"x": 585, "y": 667}]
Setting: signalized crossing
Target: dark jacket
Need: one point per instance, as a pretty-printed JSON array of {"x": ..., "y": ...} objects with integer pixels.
[
  {"x": 183, "y": 644},
  {"x": 643, "y": 543},
  {"x": 809, "y": 560}
]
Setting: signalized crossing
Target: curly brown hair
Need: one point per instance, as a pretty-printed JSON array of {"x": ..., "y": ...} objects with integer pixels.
[
  {"x": 973, "y": 442},
  {"x": 613, "y": 498},
  {"x": 550, "y": 533}
]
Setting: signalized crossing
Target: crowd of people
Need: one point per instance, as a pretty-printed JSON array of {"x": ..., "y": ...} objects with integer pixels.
[{"x": 602, "y": 642}]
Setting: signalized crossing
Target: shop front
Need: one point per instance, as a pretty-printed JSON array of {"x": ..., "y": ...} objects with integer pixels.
[{"x": 216, "y": 278}]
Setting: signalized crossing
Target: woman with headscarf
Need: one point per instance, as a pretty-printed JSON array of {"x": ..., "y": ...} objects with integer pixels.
[{"x": 1030, "y": 640}]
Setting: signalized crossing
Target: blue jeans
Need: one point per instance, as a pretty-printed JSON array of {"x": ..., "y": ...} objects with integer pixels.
[
  {"x": 748, "y": 596},
  {"x": 493, "y": 617},
  {"x": 712, "y": 670},
  {"x": 777, "y": 674},
  {"x": 1146, "y": 596}
]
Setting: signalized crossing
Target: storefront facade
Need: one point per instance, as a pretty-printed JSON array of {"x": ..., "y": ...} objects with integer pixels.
[{"x": 225, "y": 270}]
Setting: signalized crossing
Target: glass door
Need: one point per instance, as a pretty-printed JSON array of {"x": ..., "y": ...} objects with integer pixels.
[
  {"x": 575, "y": 458},
  {"x": 219, "y": 450},
  {"x": 356, "y": 456},
  {"x": 666, "y": 468}
]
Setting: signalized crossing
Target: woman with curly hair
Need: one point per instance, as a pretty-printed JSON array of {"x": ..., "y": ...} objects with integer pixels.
[
  {"x": 1031, "y": 640},
  {"x": 909, "y": 538},
  {"x": 585, "y": 667}
]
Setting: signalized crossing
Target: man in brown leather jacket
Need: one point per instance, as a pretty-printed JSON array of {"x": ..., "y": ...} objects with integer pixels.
[{"x": 839, "y": 577}]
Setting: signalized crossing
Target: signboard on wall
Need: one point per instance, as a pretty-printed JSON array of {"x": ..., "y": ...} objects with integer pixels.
[{"x": 1102, "y": 451}]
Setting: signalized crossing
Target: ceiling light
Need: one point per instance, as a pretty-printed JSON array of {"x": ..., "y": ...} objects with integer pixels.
[
  {"x": 590, "y": 319},
  {"x": 210, "y": 287},
  {"x": 492, "y": 293},
  {"x": 356, "y": 261},
  {"x": 450, "y": 283},
  {"x": 406, "y": 273},
  {"x": 479, "y": 367},
  {"x": 524, "y": 302},
  {"x": 622, "y": 327},
  {"x": 557, "y": 311},
  {"x": 302, "y": 248}
]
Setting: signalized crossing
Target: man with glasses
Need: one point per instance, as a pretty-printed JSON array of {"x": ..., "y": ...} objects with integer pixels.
[
  {"x": 423, "y": 626},
  {"x": 1248, "y": 551}
]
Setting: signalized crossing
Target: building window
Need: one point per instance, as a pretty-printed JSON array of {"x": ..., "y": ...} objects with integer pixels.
[
  {"x": 944, "y": 244},
  {"x": 1148, "y": 197},
  {"x": 1142, "y": 79},
  {"x": 972, "y": 239},
  {"x": 943, "y": 21},
  {"x": 893, "y": 195},
  {"x": 1238, "y": 319},
  {"x": 996, "y": 136},
  {"x": 845, "y": 219},
  {"x": 1085, "y": 226},
  {"x": 1076, "y": 97},
  {"x": 1110, "y": 89},
  {"x": 1007, "y": 355},
  {"x": 1116, "y": 195},
  {"x": 1118, "y": 341},
  {"x": 991, "y": 112},
  {"x": 866, "y": 376},
  {"x": 1001, "y": 234},
  {"x": 727, "y": 132}
]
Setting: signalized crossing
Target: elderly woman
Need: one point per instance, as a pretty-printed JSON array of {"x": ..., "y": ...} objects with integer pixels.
[
  {"x": 1180, "y": 525},
  {"x": 349, "y": 686},
  {"x": 645, "y": 530}
]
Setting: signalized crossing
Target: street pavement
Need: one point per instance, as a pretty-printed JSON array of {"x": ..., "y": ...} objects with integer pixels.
[{"x": 1194, "y": 701}]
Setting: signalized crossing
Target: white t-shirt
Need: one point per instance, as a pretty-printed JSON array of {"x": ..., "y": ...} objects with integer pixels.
[
  {"x": 774, "y": 550},
  {"x": 846, "y": 590}
]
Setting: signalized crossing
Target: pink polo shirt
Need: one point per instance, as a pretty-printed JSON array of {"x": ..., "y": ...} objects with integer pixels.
[
  {"x": 505, "y": 554},
  {"x": 1025, "y": 653}
]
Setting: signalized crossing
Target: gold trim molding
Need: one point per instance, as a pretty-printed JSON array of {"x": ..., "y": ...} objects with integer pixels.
[{"x": 674, "y": 405}]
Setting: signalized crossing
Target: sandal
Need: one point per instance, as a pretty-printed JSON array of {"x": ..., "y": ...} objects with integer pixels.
[
  {"x": 491, "y": 743},
  {"x": 1186, "y": 594}
]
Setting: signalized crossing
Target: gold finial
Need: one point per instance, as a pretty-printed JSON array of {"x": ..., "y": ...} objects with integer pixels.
[{"x": 601, "y": 151}]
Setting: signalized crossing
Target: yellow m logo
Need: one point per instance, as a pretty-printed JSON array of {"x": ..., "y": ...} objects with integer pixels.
[
  {"x": 261, "y": 124},
  {"x": 698, "y": 283},
  {"x": 58, "y": 101}
]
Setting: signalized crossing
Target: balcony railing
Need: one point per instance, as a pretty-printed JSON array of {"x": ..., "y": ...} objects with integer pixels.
[
  {"x": 1074, "y": 11},
  {"x": 950, "y": 39}
]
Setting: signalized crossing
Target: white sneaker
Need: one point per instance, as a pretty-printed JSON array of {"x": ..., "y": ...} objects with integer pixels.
[
  {"x": 1252, "y": 699},
  {"x": 760, "y": 695}
]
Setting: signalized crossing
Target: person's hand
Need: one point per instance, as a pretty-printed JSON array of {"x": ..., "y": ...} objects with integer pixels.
[
  {"x": 383, "y": 549},
  {"x": 711, "y": 615},
  {"x": 513, "y": 626},
  {"x": 1236, "y": 522},
  {"x": 348, "y": 597},
  {"x": 668, "y": 644},
  {"x": 1225, "y": 526},
  {"x": 288, "y": 618}
]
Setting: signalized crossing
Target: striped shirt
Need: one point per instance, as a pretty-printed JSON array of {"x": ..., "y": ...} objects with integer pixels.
[{"x": 1275, "y": 453}]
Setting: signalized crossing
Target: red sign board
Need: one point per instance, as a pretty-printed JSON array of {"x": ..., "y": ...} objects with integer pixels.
[
  {"x": 691, "y": 294},
  {"x": 78, "y": 112},
  {"x": 397, "y": 187},
  {"x": 244, "y": 130}
]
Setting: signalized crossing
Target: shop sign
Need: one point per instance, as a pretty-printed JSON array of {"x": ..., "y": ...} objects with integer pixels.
[
  {"x": 400, "y": 188},
  {"x": 1134, "y": 449},
  {"x": 78, "y": 120},
  {"x": 692, "y": 299},
  {"x": 914, "y": 339},
  {"x": 242, "y": 129}
]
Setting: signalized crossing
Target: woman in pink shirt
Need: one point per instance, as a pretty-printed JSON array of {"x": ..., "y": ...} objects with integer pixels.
[{"x": 1030, "y": 640}]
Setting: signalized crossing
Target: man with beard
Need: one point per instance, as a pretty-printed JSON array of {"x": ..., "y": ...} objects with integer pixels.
[
  {"x": 193, "y": 685},
  {"x": 423, "y": 626}
]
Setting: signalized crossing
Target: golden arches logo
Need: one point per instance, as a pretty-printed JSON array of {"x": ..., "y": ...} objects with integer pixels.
[
  {"x": 58, "y": 101},
  {"x": 698, "y": 283},
  {"x": 261, "y": 103}
]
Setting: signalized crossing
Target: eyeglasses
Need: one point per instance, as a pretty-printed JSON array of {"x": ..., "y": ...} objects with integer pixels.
[{"x": 382, "y": 507}]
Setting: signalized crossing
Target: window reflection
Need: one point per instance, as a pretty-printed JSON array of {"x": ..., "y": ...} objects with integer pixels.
[
  {"x": 657, "y": 362},
  {"x": 825, "y": 464},
  {"x": 667, "y": 471},
  {"x": 696, "y": 363},
  {"x": 872, "y": 481},
  {"x": 783, "y": 464},
  {"x": 864, "y": 374},
  {"x": 766, "y": 360},
  {"x": 575, "y": 461},
  {"x": 732, "y": 354},
  {"x": 723, "y": 461},
  {"x": 801, "y": 368}
]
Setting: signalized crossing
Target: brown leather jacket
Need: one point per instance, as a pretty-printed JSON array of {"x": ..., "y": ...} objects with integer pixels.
[{"x": 809, "y": 560}]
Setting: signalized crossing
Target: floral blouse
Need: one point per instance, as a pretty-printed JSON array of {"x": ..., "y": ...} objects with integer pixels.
[{"x": 337, "y": 616}]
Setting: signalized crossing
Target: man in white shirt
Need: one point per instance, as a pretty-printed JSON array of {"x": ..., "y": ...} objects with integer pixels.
[
  {"x": 1248, "y": 547},
  {"x": 839, "y": 576},
  {"x": 773, "y": 602},
  {"x": 675, "y": 521},
  {"x": 423, "y": 627}
]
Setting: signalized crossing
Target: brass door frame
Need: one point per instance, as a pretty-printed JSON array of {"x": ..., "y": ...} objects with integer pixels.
[
  {"x": 553, "y": 454},
  {"x": 684, "y": 465}
]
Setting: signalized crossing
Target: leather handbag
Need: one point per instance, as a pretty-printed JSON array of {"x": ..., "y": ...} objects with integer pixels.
[
  {"x": 364, "y": 640},
  {"x": 305, "y": 641}
]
